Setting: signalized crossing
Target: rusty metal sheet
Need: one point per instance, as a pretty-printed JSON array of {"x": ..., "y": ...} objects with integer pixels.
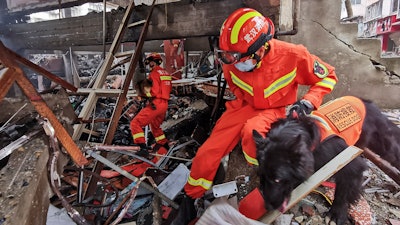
[
  {"x": 42, "y": 71},
  {"x": 42, "y": 108}
]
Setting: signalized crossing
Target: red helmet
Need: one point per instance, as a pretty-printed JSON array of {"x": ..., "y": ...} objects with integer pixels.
[
  {"x": 155, "y": 57},
  {"x": 245, "y": 31}
]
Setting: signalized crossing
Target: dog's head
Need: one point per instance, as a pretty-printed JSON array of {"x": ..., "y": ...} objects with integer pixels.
[{"x": 285, "y": 159}]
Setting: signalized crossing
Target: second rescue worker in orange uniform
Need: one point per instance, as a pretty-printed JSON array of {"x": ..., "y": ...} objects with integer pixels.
[
  {"x": 264, "y": 74},
  {"x": 153, "y": 114}
]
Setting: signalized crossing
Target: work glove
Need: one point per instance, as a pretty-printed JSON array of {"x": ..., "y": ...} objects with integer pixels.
[
  {"x": 300, "y": 108},
  {"x": 144, "y": 150},
  {"x": 152, "y": 105},
  {"x": 157, "y": 147}
]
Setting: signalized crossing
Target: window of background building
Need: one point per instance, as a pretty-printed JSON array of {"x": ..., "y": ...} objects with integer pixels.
[
  {"x": 395, "y": 5},
  {"x": 374, "y": 11},
  {"x": 398, "y": 9}
]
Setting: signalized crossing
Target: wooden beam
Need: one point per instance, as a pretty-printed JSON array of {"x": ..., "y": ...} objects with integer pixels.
[
  {"x": 316, "y": 179},
  {"x": 286, "y": 16},
  {"x": 40, "y": 70},
  {"x": 42, "y": 108},
  {"x": 384, "y": 165}
]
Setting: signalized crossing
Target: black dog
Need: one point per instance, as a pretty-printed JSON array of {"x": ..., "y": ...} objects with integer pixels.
[{"x": 293, "y": 149}]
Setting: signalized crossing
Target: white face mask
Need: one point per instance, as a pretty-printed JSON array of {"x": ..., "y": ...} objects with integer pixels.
[
  {"x": 150, "y": 66},
  {"x": 245, "y": 66}
]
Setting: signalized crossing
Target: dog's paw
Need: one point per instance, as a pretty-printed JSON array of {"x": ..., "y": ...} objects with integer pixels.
[
  {"x": 328, "y": 221},
  {"x": 336, "y": 217}
]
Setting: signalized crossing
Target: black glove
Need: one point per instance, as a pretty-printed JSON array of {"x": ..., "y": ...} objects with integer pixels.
[
  {"x": 144, "y": 150},
  {"x": 299, "y": 108},
  {"x": 152, "y": 105}
]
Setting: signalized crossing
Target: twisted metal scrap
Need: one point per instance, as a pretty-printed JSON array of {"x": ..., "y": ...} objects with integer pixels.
[{"x": 55, "y": 152}]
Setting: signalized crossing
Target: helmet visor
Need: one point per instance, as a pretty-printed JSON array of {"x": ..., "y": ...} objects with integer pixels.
[{"x": 227, "y": 57}]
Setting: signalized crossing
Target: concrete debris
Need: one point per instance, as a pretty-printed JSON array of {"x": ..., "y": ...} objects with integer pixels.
[
  {"x": 58, "y": 216},
  {"x": 394, "y": 222},
  {"x": 284, "y": 219}
]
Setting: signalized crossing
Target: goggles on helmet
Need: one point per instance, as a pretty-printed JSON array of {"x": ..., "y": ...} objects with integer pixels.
[
  {"x": 234, "y": 57},
  {"x": 228, "y": 57}
]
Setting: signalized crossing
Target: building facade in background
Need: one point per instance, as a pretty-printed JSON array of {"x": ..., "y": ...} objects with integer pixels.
[{"x": 381, "y": 19}]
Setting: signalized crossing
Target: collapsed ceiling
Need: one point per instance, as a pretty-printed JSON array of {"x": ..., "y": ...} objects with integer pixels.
[{"x": 174, "y": 20}]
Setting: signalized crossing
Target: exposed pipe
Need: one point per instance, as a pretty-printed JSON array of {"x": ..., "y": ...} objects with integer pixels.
[
  {"x": 104, "y": 28},
  {"x": 295, "y": 21}
]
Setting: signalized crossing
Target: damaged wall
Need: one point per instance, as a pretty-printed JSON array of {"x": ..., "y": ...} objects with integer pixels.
[{"x": 322, "y": 33}]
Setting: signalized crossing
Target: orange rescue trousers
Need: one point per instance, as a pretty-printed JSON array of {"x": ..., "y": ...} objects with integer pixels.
[
  {"x": 237, "y": 122},
  {"x": 152, "y": 117}
]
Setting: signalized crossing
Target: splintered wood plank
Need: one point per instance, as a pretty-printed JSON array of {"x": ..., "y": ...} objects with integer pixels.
[{"x": 316, "y": 179}]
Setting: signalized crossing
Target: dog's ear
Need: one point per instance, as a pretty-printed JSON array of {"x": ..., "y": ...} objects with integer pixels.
[
  {"x": 304, "y": 161},
  {"x": 258, "y": 138},
  {"x": 313, "y": 130},
  {"x": 260, "y": 142},
  {"x": 297, "y": 150}
]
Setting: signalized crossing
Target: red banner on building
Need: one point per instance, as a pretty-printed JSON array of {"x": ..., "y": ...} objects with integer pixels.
[{"x": 387, "y": 25}]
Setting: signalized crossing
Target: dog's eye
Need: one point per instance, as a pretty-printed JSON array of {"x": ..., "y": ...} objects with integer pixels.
[{"x": 277, "y": 181}]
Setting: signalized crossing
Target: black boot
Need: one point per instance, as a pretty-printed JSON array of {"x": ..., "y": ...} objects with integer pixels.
[
  {"x": 157, "y": 147},
  {"x": 144, "y": 150},
  {"x": 186, "y": 212}
]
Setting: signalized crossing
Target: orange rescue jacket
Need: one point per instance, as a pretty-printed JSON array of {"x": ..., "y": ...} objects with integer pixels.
[
  {"x": 343, "y": 117},
  {"x": 275, "y": 82},
  {"x": 162, "y": 85}
]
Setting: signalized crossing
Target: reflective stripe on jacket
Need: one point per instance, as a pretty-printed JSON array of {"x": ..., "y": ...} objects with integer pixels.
[
  {"x": 162, "y": 85},
  {"x": 274, "y": 84},
  {"x": 261, "y": 98}
]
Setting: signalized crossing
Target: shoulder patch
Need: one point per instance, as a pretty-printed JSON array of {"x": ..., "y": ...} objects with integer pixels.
[{"x": 320, "y": 70}]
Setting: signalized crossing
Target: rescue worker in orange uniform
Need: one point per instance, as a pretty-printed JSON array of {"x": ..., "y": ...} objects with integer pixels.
[
  {"x": 153, "y": 114},
  {"x": 264, "y": 74}
]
